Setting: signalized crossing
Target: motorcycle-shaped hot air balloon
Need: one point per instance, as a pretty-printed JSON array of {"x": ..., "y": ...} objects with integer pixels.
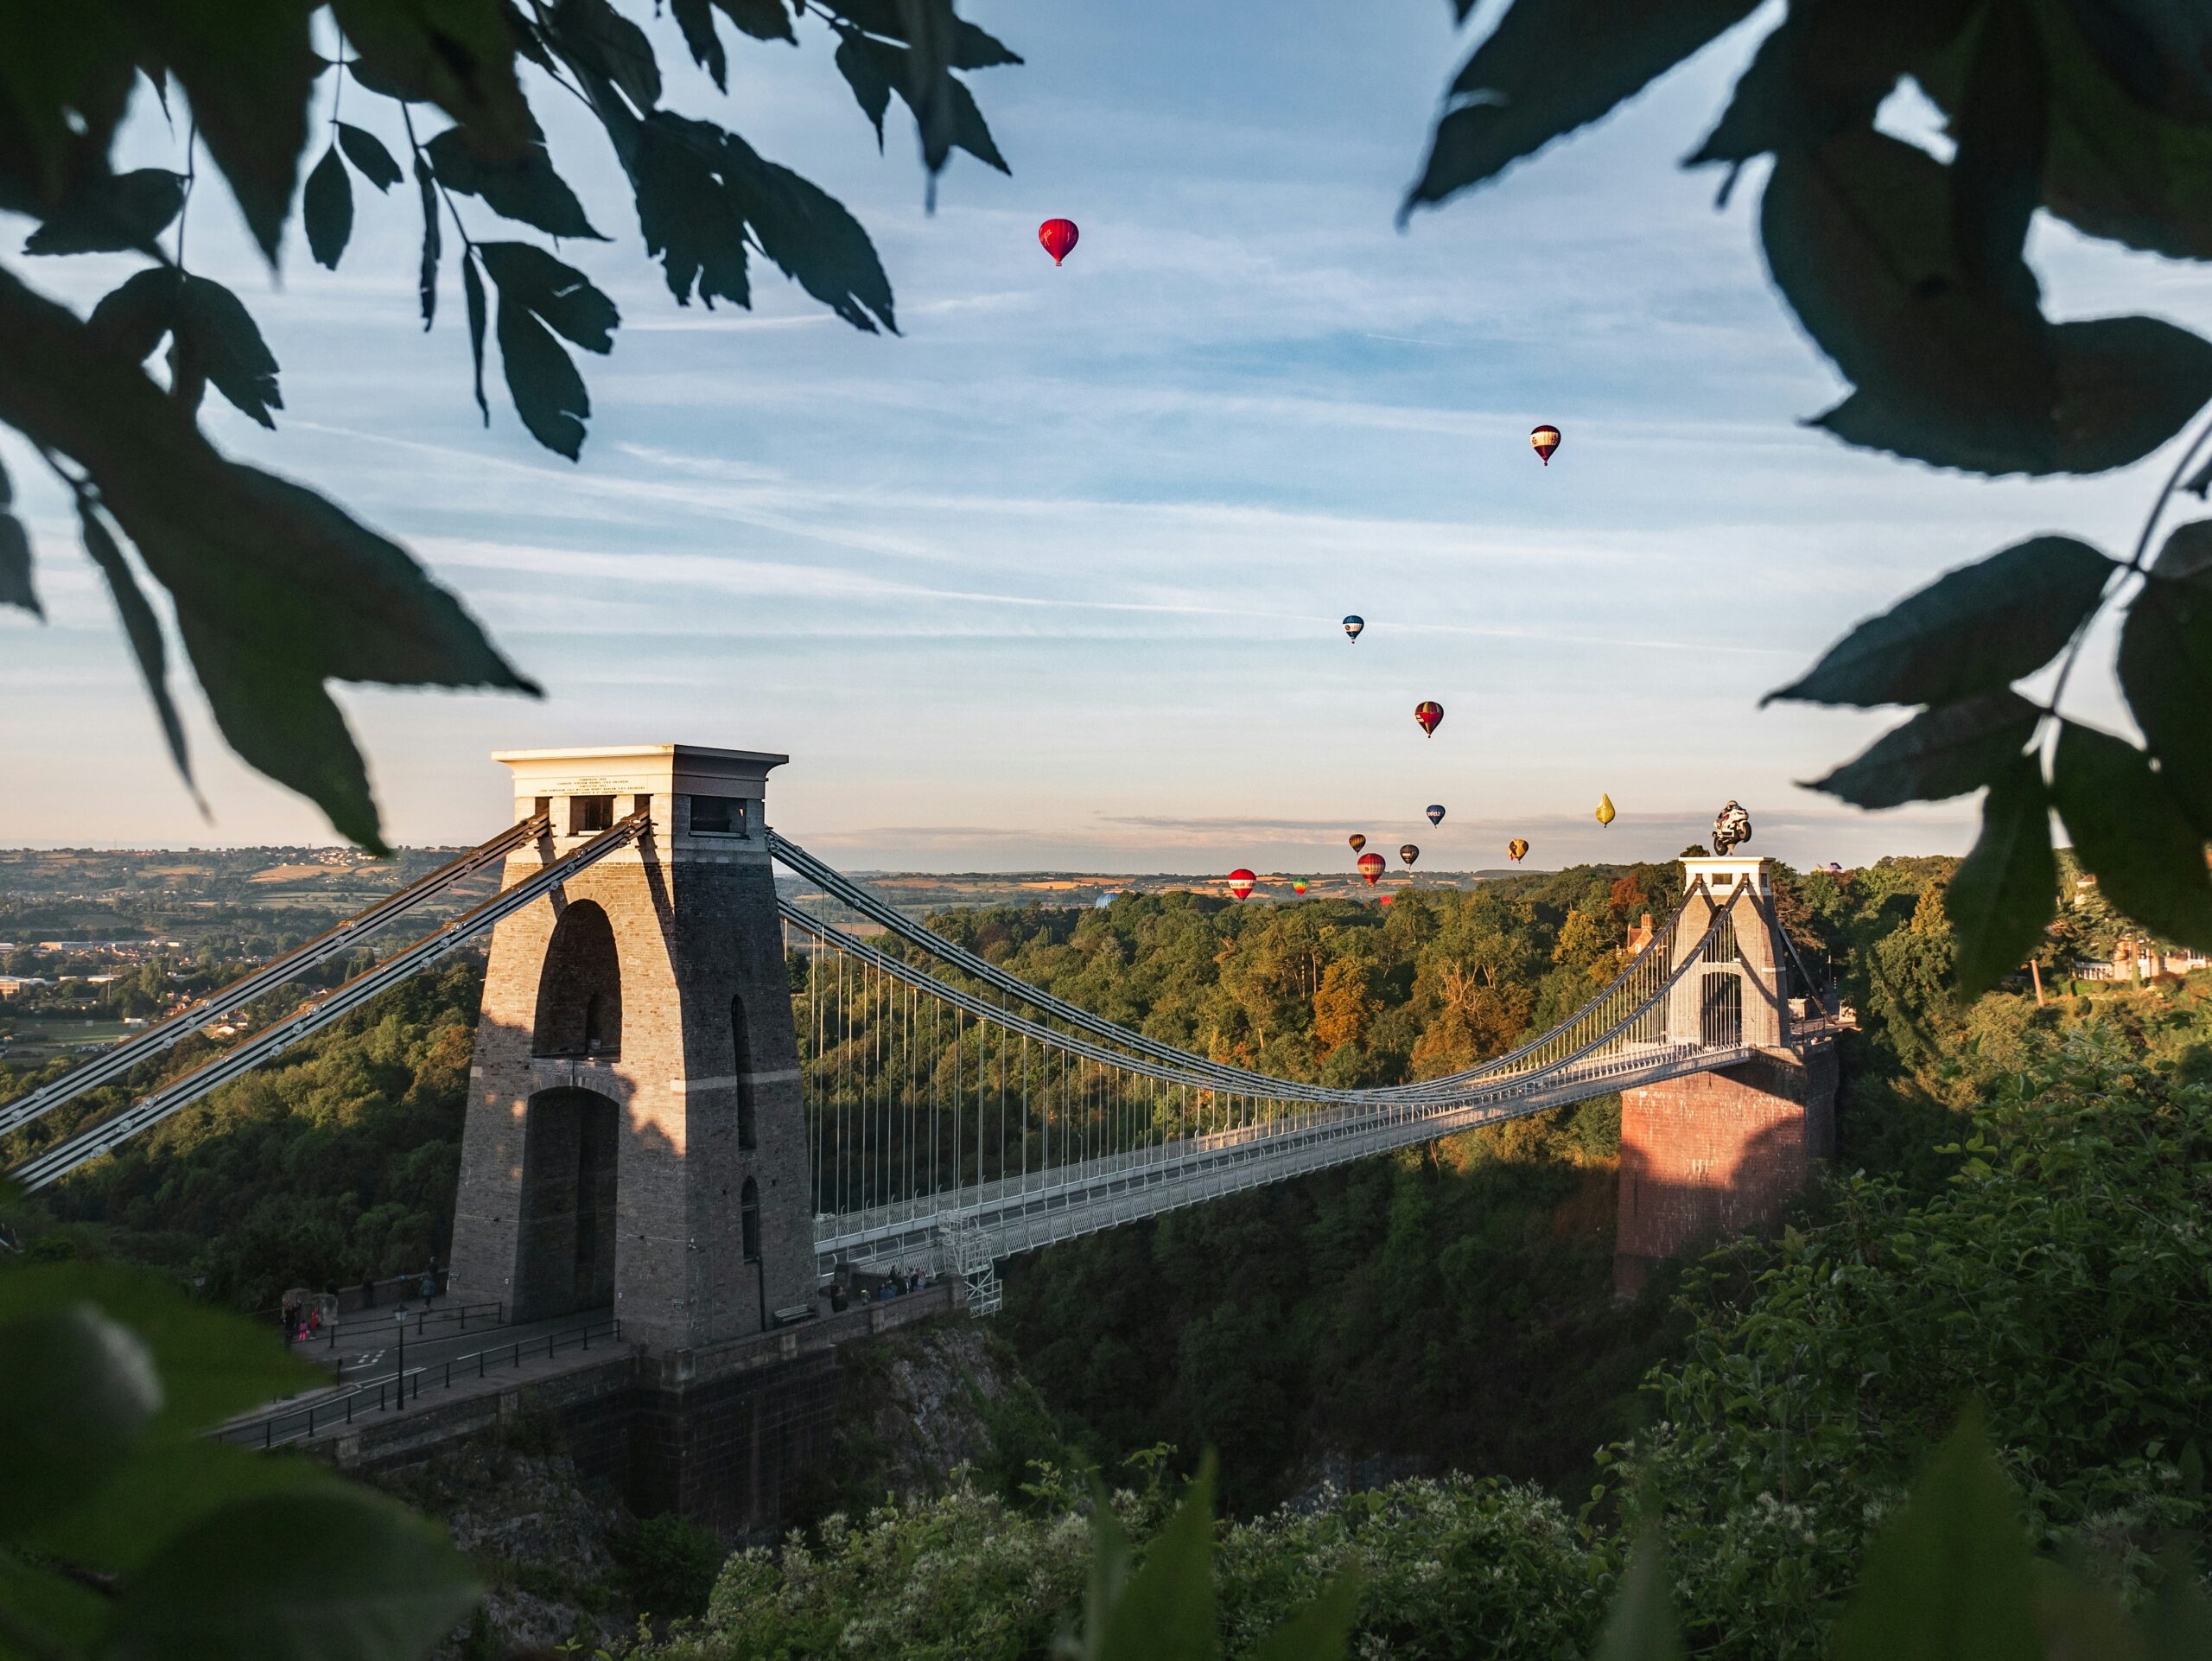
[
  {"x": 1544, "y": 441},
  {"x": 1409, "y": 854},
  {"x": 1059, "y": 237},
  {"x": 1356, "y": 841},
  {"x": 1353, "y": 624},
  {"x": 1430, "y": 714},
  {"x": 1517, "y": 850},
  {"x": 1605, "y": 810},
  {"x": 1436, "y": 812},
  {"x": 1370, "y": 867},
  {"x": 1240, "y": 882}
]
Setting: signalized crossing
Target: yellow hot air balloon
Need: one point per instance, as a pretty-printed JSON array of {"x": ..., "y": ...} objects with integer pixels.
[
  {"x": 1605, "y": 810},
  {"x": 1517, "y": 847}
]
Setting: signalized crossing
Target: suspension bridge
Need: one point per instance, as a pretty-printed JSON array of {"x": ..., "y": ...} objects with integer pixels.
[{"x": 698, "y": 1099}]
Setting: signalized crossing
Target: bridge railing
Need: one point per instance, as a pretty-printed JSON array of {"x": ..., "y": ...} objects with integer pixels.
[{"x": 393, "y": 1392}]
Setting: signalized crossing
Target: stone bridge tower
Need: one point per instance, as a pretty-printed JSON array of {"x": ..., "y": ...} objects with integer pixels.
[
  {"x": 1716, "y": 1153},
  {"x": 635, "y": 1137}
]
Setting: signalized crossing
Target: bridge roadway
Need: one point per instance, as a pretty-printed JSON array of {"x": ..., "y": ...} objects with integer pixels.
[{"x": 1025, "y": 1213}]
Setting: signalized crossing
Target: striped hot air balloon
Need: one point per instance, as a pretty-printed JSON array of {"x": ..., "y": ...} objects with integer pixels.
[
  {"x": 1240, "y": 881},
  {"x": 1518, "y": 849},
  {"x": 1430, "y": 714},
  {"x": 1356, "y": 841},
  {"x": 1354, "y": 624},
  {"x": 1370, "y": 867},
  {"x": 1544, "y": 441},
  {"x": 1299, "y": 887},
  {"x": 1059, "y": 237},
  {"x": 1605, "y": 810}
]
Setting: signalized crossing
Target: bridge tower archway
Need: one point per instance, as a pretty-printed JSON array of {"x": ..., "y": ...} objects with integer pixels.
[
  {"x": 1717, "y": 1152},
  {"x": 636, "y": 1078}
]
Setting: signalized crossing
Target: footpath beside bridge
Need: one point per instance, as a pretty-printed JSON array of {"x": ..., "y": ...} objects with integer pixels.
[{"x": 694, "y": 1104}]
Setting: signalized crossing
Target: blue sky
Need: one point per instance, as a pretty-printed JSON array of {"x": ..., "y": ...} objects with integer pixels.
[{"x": 1053, "y": 580}]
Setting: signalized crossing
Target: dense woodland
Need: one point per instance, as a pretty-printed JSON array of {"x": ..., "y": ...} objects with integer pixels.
[{"x": 1439, "y": 1322}]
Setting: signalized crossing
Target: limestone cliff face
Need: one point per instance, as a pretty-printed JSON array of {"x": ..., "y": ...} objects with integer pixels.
[{"x": 916, "y": 1405}]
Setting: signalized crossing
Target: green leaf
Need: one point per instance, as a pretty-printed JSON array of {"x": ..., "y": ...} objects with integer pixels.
[
  {"x": 257, "y": 566},
  {"x": 2004, "y": 891},
  {"x": 1165, "y": 1610},
  {"x": 927, "y": 84},
  {"x": 609, "y": 45},
  {"x": 213, "y": 1365},
  {"x": 458, "y": 54},
  {"x": 133, "y": 317},
  {"x": 1551, "y": 67},
  {"x": 426, "y": 284},
  {"x": 320, "y": 1577},
  {"x": 171, "y": 1486},
  {"x": 226, "y": 347},
  {"x": 696, "y": 19},
  {"x": 524, "y": 186},
  {"x": 1642, "y": 1624},
  {"x": 1824, "y": 68},
  {"x": 703, "y": 194},
  {"x": 1976, "y": 629},
  {"x": 560, "y": 294},
  {"x": 2125, "y": 385},
  {"x": 67, "y": 1615},
  {"x": 472, "y": 288},
  {"x": 140, "y": 627},
  {"x": 764, "y": 20},
  {"x": 15, "y": 588},
  {"x": 2128, "y": 829},
  {"x": 536, "y": 290},
  {"x": 867, "y": 73},
  {"x": 972, "y": 47},
  {"x": 248, "y": 69},
  {"x": 81, "y": 1392},
  {"x": 110, "y": 213},
  {"x": 1950, "y": 1579},
  {"x": 2177, "y": 1624},
  {"x": 2001, "y": 128},
  {"x": 327, "y": 208},
  {"x": 1943, "y": 752},
  {"x": 2166, "y": 666},
  {"x": 2160, "y": 54},
  {"x": 369, "y": 156},
  {"x": 2117, "y": 168},
  {"x": 1321, "y": 1630},
  {"x": 1859, "y": 236}
]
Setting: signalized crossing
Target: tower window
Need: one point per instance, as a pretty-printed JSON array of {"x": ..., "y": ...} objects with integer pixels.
[
  {"x": 717, "y": 816},
  {"x": 748, "y": 1219},
  {"x": 589, "y": 815}
]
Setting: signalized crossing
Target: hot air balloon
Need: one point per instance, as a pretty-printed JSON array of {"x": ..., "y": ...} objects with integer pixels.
[
  {"x": 1430, "y": 714},
  {"x": 1059, "y": 236},
  {"x": 1518, "y": 848},
  {"x": 1370, "y": 867},
  {"x": 1409, "y": 854},
  {"x": 1605, "y": 810},
  {"x": 1544, "y": 440},
  {"x": 1354, "y": 624},
  {"x": 1240, "y": 881},
  {"x": 1356, "y": 841},
  {"x": 1299, "y": 887},
  {"x": 1436, "y": 812},
  {"x": 1388, "y": 898}
]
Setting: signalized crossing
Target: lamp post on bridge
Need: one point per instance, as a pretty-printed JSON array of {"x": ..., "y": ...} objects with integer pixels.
[{"x": 399, "y": 1375}]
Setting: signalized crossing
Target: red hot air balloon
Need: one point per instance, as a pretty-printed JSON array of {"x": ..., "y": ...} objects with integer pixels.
[
  {"x": 1370, "y": 867},
  {"x": 1059, "y": 237},
  {"x": 1356, "y": 841},
  {"x": 1543, "y": 440},
  {"x": 1299, "y": 888},
  {"x": 1240, "y": 881},
  {"x": 1388, "y": 898},
  {"x": 1430, "y": 714}
]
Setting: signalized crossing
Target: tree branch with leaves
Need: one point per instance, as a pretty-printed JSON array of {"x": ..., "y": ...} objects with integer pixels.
[
  {"x": 1909, "y": 274},
  {"x": 276, "y": 590}
]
